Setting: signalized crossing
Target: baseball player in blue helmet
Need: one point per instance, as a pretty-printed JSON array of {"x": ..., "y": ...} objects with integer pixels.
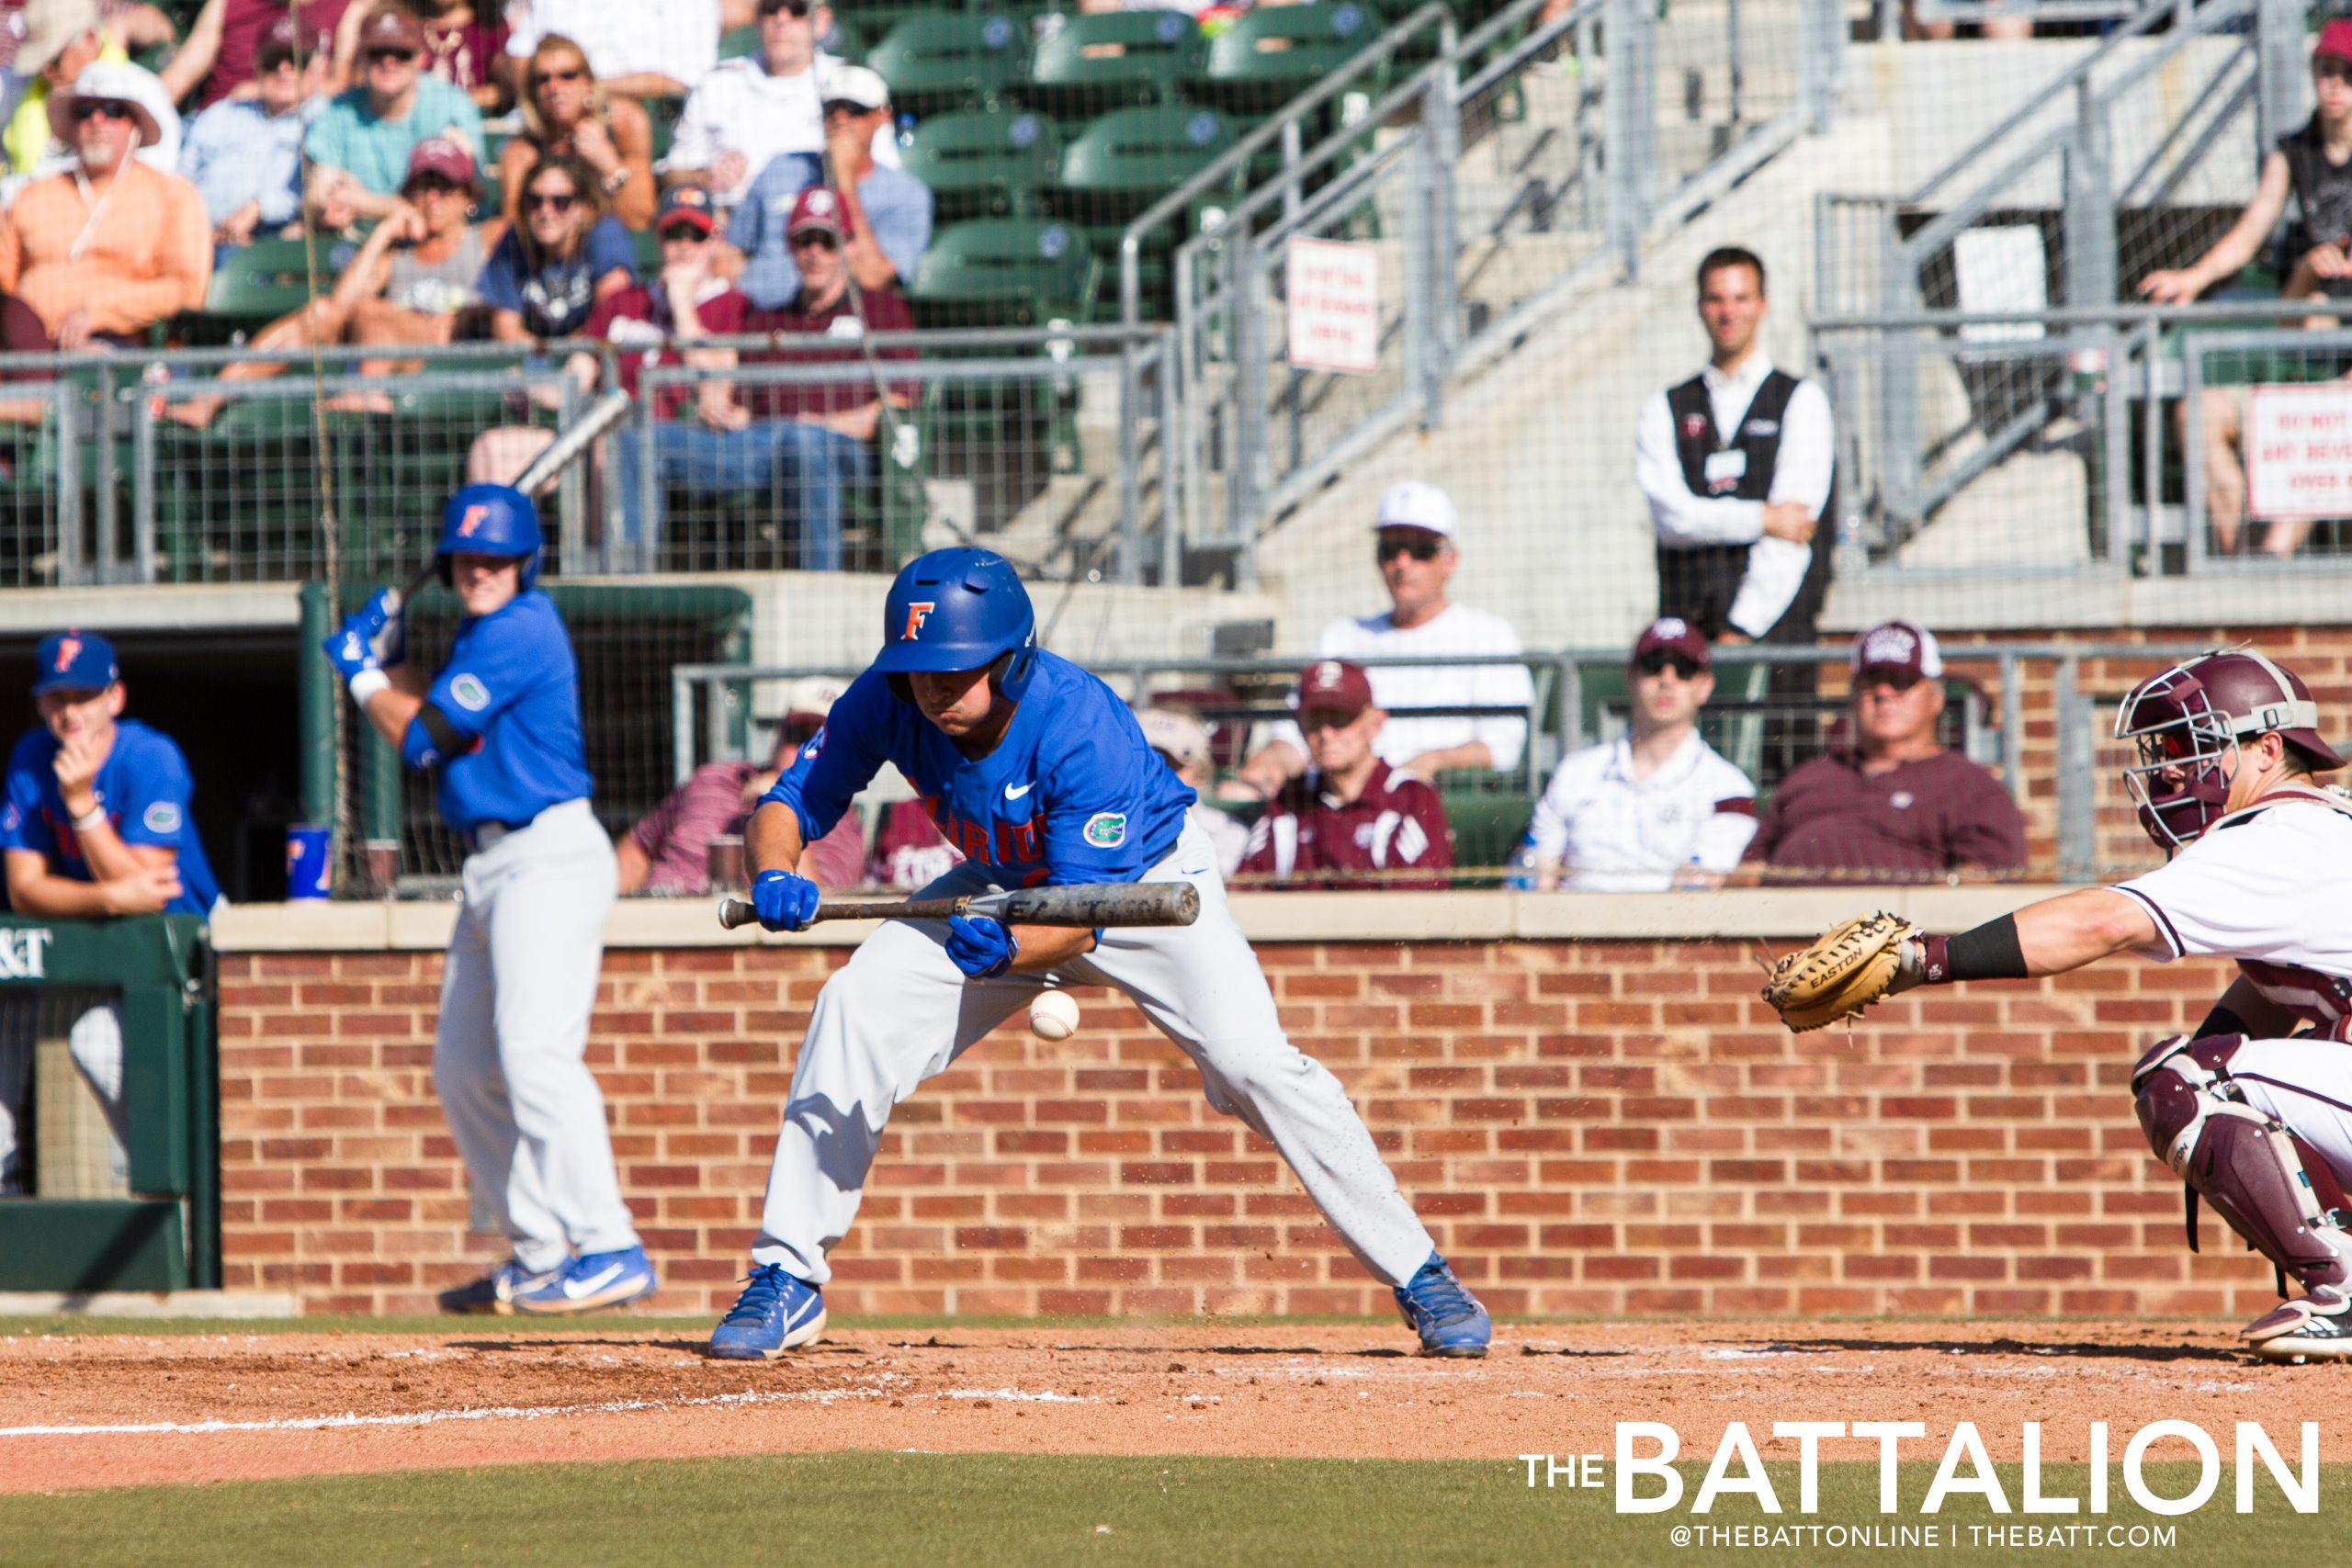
[
  {"x": 498, "y": 726},
  {"x": 1039, "y": 775}
]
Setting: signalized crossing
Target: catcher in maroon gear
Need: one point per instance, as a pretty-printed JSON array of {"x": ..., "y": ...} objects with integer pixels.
[{"x": 2254, "y": 1109}]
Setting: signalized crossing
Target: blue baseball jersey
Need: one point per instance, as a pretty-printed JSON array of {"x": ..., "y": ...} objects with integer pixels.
[
  {"x": 1070, "y": 794},
  {"x": 511, "y": 692},
  {"x": 144, "y": 787}
]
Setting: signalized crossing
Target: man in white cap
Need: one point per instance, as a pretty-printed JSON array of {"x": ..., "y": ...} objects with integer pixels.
[
  {"x": 1418, "y": 551},
  {"x": 668, "y": 852},
  {"x": 104, "y": 250},
  {"x": 1893, "y": 803},
  {"x": 888, "y": 211}
]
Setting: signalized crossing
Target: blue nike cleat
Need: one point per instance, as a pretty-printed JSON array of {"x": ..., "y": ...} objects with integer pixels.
[
  {"x": 1447, "y": 1317},
  {"x": 774, "y": 1313},
  {"x": 496, "y": 1291},
  {"x": 591, "y": 1281}
]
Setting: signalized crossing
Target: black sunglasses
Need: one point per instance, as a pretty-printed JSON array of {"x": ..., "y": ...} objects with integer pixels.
[
  {"x": 684, "y": 231},
  {"x": 797, "y": 7},
  {"x": 93, "y": 109},
  {"x": 564, "y": 202},
  {"x": 405, "y": 56},
  {"x": 816, "y": 237},
  {"x": 1420, "y": 549},
  {"x": 575, "y": 74},
  {"x": 1657, "y": 663}
]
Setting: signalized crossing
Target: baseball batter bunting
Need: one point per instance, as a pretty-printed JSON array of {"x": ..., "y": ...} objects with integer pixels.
[
  {"x": 1039, "y": 775},
  {"x": 2254, "y": 1109}
]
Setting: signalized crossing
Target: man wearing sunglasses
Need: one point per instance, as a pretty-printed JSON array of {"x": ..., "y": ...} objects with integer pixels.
[
  {"x": 245, "y": 153},
  {"x": 1736, "y": 464},
  {"x": 1892, "y": 803},
  {"x": 1655, "y": 809},
  {"x": 1350, "y": 820},
  {"x": 749, "y": 112},
  {"x": 360, "y": 148},
  {"x": 1415, "y": 530},
  {"x": 102, "y": 252},
  {"x": 885, "y": 211}
]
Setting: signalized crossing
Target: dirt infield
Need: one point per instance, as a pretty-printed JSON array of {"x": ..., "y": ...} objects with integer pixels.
[{"x": 86, "y": 1411}]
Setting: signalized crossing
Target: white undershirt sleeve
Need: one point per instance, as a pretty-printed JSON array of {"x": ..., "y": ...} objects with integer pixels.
[{"x": 1680, "y": 516}]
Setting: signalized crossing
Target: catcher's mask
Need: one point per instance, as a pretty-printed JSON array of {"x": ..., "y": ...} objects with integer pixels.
[{"x": 2188, "y": 723}]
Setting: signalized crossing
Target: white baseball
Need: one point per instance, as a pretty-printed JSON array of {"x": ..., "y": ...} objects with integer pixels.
[{"x": 1053, "y": 1016}]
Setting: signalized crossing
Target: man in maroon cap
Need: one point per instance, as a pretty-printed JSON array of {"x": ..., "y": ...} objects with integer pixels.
[
  {"x": 1893, "y": 803},
  {"x": 359, "y": 146},
  {"x": 1657, "y": 808},
  {"x": 2314, "y": 162},
  {"x": 1350, "y": 820}
]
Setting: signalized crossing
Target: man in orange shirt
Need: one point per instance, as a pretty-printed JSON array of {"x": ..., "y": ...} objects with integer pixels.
[{"x": 104, "y": 250}]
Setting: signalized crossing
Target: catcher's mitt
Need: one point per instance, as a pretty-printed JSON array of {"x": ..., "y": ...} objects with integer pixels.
[{"x": 1847, "y": 968}]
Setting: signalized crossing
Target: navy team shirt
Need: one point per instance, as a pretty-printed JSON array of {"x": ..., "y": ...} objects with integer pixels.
[
  {"x": 511, "y": 690},
  {"x": 144, "y": 787},
  {"x": 1071, "y": 794}
]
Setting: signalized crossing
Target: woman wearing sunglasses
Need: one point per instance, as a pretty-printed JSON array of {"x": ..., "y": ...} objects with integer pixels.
[
  {"x": 566, "y": 110},
  {"x": 549, "y": 274}
]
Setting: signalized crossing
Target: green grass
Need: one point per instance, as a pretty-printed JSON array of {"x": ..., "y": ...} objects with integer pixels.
[{"x": 848, "y": 1510}]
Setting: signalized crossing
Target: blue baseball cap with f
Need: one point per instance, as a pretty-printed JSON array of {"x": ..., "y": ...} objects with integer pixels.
[{"x": 75, "y": 660}]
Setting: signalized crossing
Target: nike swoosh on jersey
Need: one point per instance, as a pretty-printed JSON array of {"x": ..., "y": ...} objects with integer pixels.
[
  {"x": 1013, "y": 794},
  {"x": 576, "y": 1289}
]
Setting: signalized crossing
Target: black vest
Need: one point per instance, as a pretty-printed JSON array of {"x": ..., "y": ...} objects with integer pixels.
[
  {"x": 2323, "y": 200},
  {"x": 1715, "y": 581}
]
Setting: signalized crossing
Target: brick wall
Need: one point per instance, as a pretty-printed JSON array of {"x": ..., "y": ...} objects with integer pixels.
[{"x": 1588, "y": 1126}]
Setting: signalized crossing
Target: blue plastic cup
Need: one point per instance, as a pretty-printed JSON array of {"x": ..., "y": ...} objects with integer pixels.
[{"x": 309, "y": 869}]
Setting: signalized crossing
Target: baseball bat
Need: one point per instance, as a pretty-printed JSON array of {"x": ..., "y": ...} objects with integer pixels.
[
  {"x": 559, "y": 455},
  {"x": 1087, "y": 904}
]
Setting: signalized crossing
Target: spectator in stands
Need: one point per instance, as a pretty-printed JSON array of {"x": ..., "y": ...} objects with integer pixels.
[
  {"x": 638, "y": 49},
  {"x": 1182, "y": 742},
  {"x": 2313, "y": 164},
  {"x": 706, "y": 440},
  {"x": 226, "y": 35},
  {"x": 885, "y": 210},
  {"x": 244, "y": 155},
  {"x": 99, "y": 255},
  {"x": 567, "y": 255},
  {"x": 668, "y": 853},
  {"x": 566, "y": 110},
  {"x": 96, "y": 824},
  {"x": 909, "y": 852},
  {"x": 749, "y": 112},
  {"x": 412, "y": 282},
  {"x": 825, "y": 434},
  {"x": 360, "y": 145},
  {"x": 2018, "y": 27},
  {"x": 60, "y": 38},
  {"x": 1655, "y": 809},
  {"x": 1736, "y": 464},
  {"x": 1350, "y": 820},
  {"x": 1417, "y": 551},
  {"x": 1892, "y": 803},
  {"x": 39, "y": 135},
  {"x": 463, "y": 49}
]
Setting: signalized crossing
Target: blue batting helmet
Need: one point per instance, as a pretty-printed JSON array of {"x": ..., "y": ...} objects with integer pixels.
[
  {"x": 960, "y": 609},
  {"x": 491, "y": 520}
]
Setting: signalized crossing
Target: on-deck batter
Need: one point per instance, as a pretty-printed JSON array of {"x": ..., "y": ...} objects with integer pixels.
[
  {"x": 498, "y": 727},
  {"x": 1039, "y": 774}
]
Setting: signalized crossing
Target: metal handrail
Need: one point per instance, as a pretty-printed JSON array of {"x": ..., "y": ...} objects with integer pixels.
[
  {"x": 2121, "y": 313},
  {"x": 1376, "y": 53}
]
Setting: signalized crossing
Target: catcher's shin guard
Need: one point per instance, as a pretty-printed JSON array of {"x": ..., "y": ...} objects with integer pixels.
[{"x": 2268, "y": 1184}]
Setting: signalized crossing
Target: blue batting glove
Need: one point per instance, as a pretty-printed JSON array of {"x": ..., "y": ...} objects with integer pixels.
[
  {"x": 386, "y": 629},
  {"x": 351, "y": 649},
  {"x": 981, "y": 947},
  {"x": 784, "y": 901}
]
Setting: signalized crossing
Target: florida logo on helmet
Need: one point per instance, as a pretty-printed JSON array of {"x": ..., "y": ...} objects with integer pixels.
[
  {"x": 69, "y": 648},
  {"x": 917, "y": 614},
  {"x": 470, "y": 524}
]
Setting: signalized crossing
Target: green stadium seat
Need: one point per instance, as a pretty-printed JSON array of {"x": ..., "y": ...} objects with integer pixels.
[
  {"x": 1488, "y": 826},
  {"x": 740, "y": 43},
  {"x": 1007, "y": 272},
  {"x": 1129, "y": 159},
  {"x": 1110, "y": 58},
  {"x": 984, "y": 165},
  {"x": 255, "y": 284},
  {"x": 943, "y": 61},
  {"x": 1268, "y": 57}
]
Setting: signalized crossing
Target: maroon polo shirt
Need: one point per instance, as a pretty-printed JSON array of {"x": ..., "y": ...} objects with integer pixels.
[
  {"x": 1914, "y": 821},
  {"x": 1309, "y": 838},
  {"x": 675, "y": 835},
  {"x": 829, "y": 335}
]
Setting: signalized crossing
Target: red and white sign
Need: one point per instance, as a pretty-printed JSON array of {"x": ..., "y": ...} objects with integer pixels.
[
  {"x": 1334, "y": 297},
  {"x": 2299, "y": 451}
]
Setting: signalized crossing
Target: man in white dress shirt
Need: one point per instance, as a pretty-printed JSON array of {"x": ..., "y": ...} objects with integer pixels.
[
  {"x": 1736, "y": 464},
  {"x": 1416, "y": 553},
  {"x": 1655, "y": 809}
]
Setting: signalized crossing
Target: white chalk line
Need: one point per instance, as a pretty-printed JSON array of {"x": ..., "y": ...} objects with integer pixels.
[{"x": 528, "y": 1413}]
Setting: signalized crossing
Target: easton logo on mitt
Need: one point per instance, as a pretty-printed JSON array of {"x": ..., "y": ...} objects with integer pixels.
[{"x": 1847, "y": 968}]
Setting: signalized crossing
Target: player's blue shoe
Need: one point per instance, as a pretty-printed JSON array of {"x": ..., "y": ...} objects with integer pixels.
[
  {"x": 774, "y": 1313},
  {"x": 1447, "y": 1317},
  {"x": 496, "y": 1291},
  {"x": 591, "y": 1281}
]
